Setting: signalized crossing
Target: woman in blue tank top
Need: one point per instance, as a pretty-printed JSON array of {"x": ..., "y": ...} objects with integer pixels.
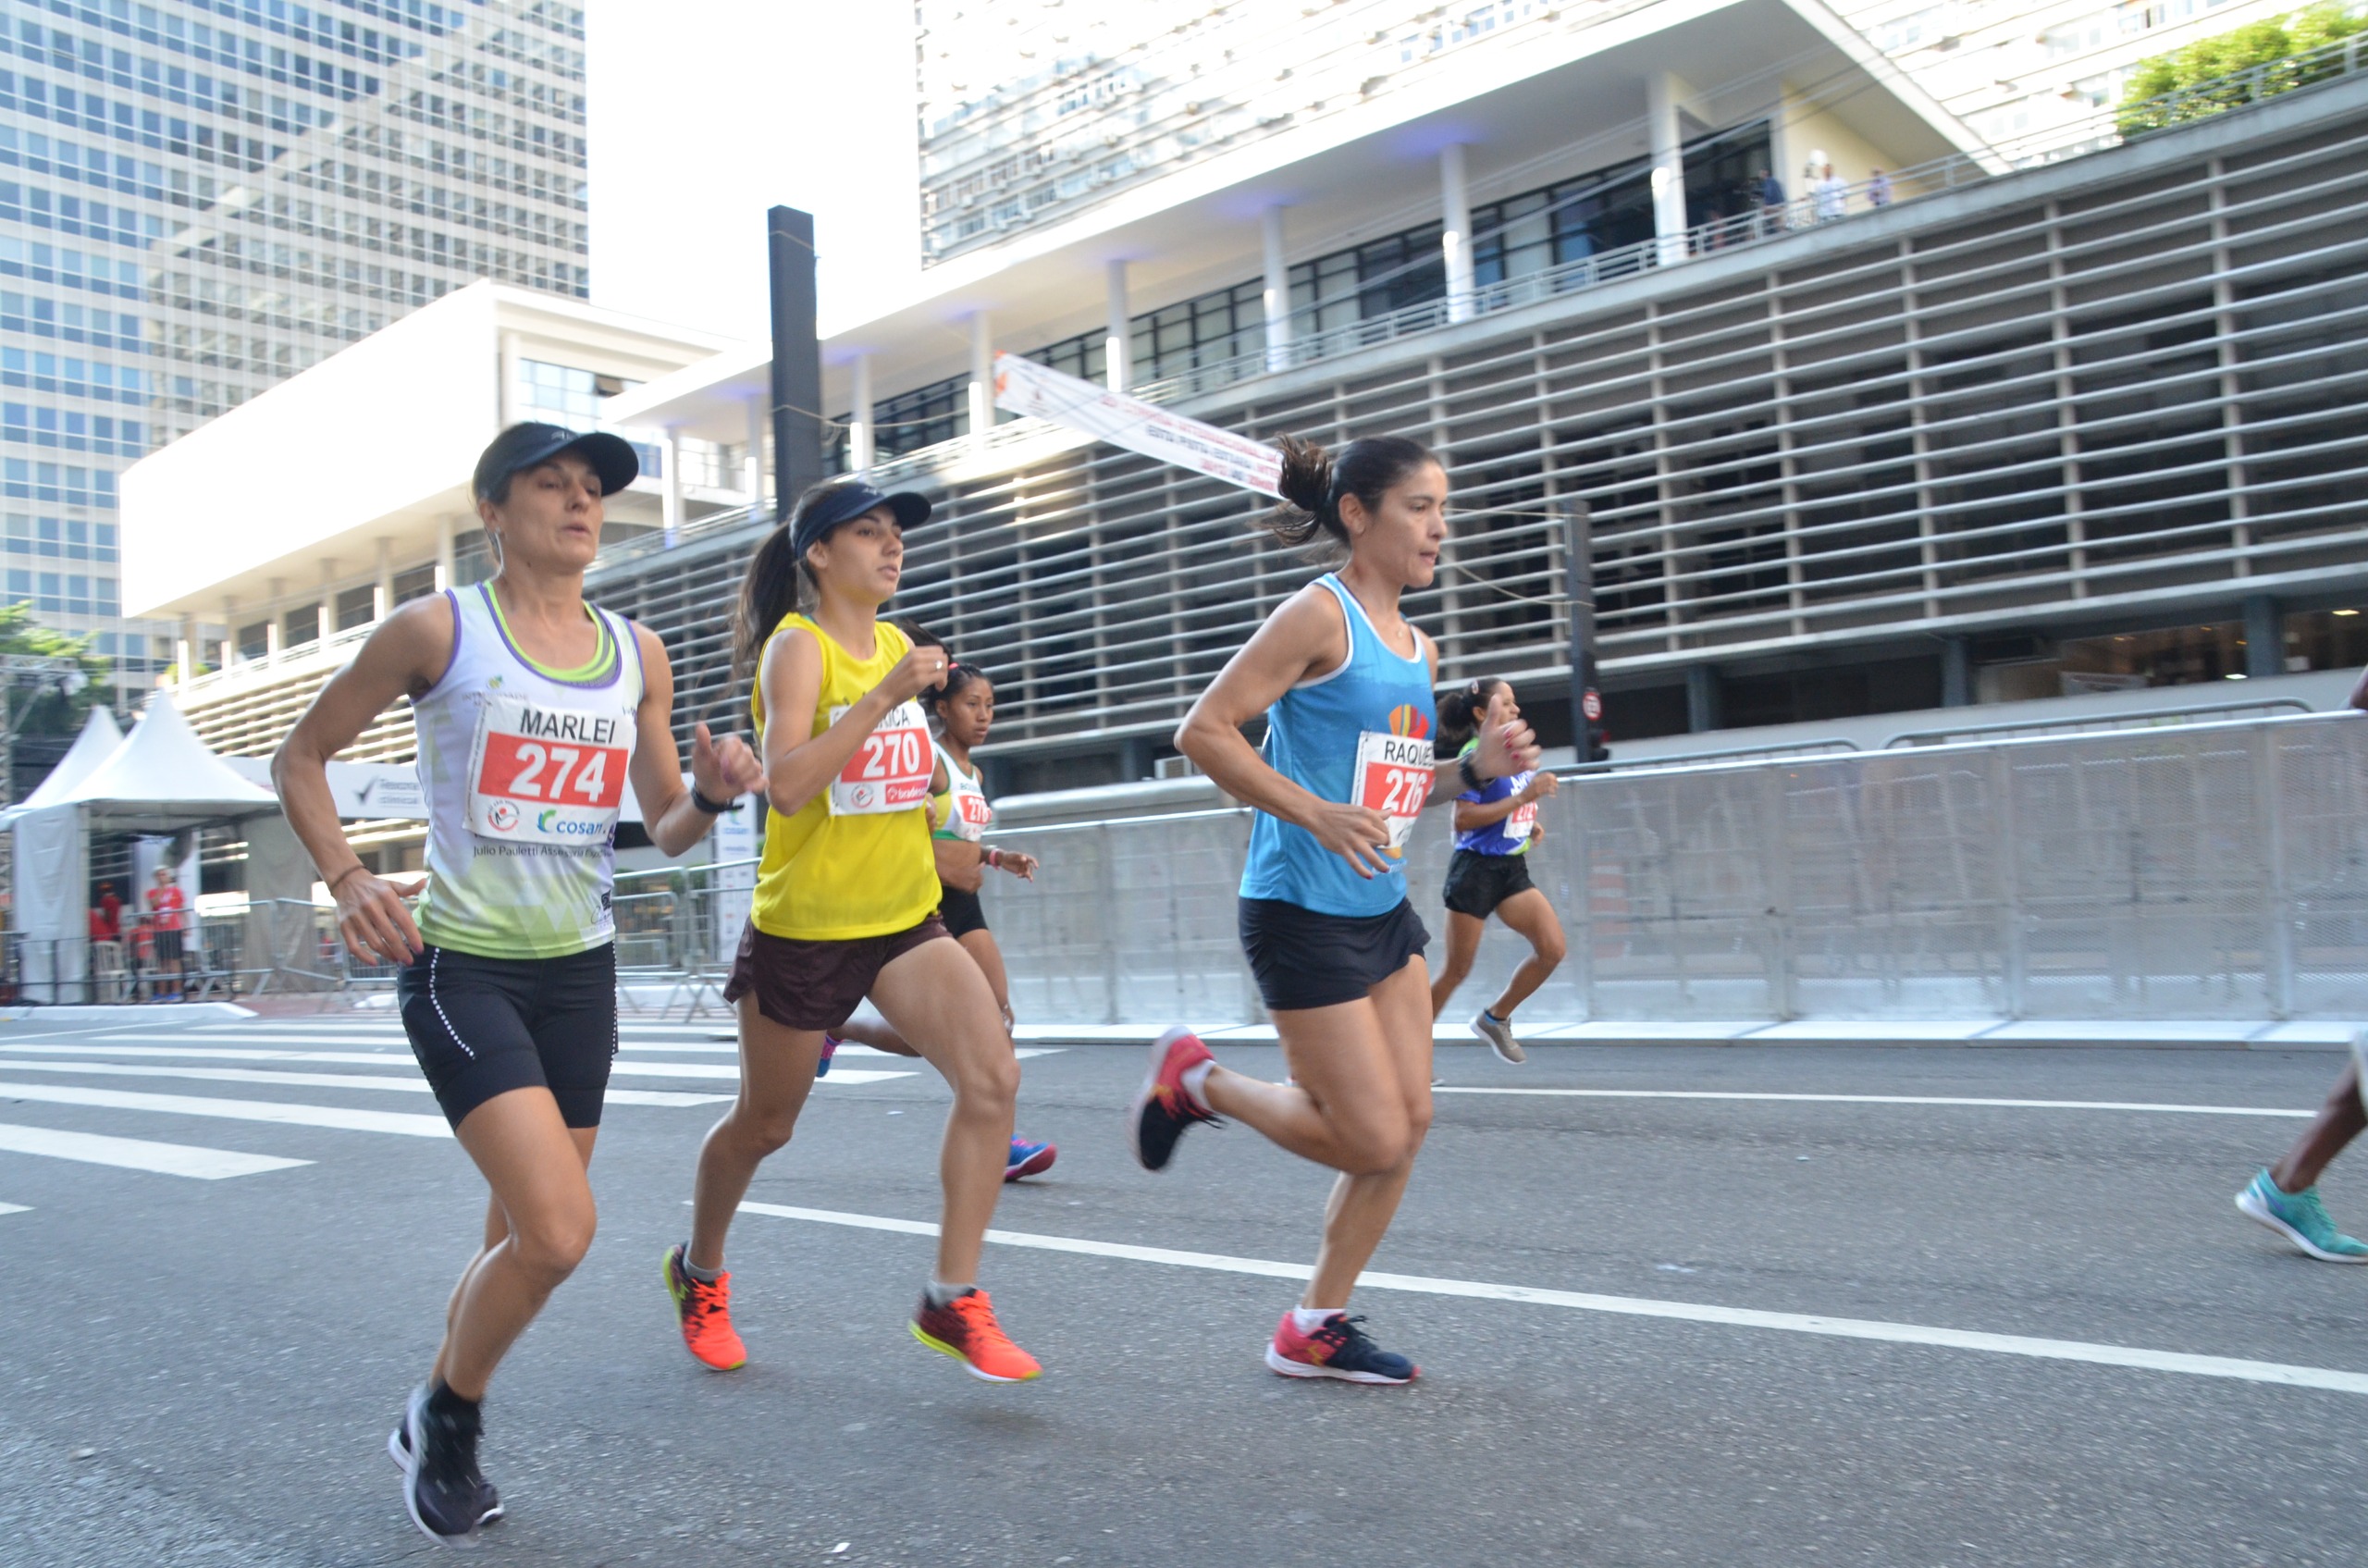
[{"x": 1344, "y": 683}]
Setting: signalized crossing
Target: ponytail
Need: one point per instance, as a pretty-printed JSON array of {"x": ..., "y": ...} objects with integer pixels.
[
  {"x": 769, "y": 591},
  {"x": 1313, "y": 480},
  {"x": 1460, "y": 714}
]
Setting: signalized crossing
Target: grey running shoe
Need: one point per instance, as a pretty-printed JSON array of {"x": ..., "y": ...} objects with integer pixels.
[{"x": 1499, "y": 1037}]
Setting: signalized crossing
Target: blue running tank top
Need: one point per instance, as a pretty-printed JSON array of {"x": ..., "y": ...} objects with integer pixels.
[{"x": 1361, "y": 733}]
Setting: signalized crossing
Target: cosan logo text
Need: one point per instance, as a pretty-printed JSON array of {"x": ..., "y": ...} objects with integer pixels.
[{"x": 569, "y": 827}]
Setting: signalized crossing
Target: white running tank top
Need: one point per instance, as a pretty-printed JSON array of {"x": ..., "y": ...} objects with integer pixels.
[{"x": 525, "y": 772}]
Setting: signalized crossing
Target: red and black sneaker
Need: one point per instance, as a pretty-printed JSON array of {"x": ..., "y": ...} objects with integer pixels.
[
  {"x": 1335, "y": 1348},
  {"x": 1163, "y": 1107}
]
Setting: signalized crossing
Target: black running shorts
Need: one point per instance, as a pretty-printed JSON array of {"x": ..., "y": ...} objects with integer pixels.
[
  {"x": 482, "y": 1027},
  {"x": 961, "y": 911},
  {"x": 1303, "y": 959},
  {"x": 1477, "y": 883}
]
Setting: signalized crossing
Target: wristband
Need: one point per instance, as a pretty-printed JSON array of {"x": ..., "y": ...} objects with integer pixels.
[
  {"x": 994, "y": 859},
  {"x": 713, "y": 808},
  {"x": 1468, "y": 773},
  {"x": 357, "y": 866}
]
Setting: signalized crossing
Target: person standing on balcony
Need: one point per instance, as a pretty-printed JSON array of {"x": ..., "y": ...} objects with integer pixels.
[
  {"x": 1495, "y": 826},
  {"x": 1344, "y": 684},
  {"x": 533, "y": 708},
  {"x": 1832, "y": 197},
  {"x": 1877, "y": 189},
  {"x": 1771, "y": 204},
  {"x": 846, "y": 908}
]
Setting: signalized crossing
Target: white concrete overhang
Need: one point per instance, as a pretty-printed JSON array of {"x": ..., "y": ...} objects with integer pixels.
[
  {"x": 1578, "y": 104},
  {"x": 709, "y": 400},
  {"x": 376, "y": 442}
]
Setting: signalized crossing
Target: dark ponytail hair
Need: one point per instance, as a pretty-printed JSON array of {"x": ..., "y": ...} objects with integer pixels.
[
  {"x": 1460, "y": 714},
  {"x": 779, "y": 579},
  {"x": 1313, "y": 480},
  {"x": 960, "y": 677}
]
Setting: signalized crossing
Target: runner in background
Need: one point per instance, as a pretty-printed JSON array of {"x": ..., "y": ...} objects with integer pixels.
[
  {"x": 1488, "y": 874},
  {"x": 167, "y": 923},
  {"x": 845, "y": 908},
  {"x": 2284, "y": 1196},
  {"x": 963, "y": 710},
  {"x": 1344, "y": 684},
  {"x": 532, "y": 708}
]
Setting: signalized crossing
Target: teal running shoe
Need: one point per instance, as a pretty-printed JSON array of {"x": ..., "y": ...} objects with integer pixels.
[{"x": 2302, "y": 1219}]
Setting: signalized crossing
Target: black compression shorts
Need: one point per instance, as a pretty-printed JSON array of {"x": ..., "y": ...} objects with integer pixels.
[{"x": 482, "y": 1027}]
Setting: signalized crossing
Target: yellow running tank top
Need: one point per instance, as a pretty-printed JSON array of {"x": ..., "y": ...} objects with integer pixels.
[{"x": 832, "y": 877}]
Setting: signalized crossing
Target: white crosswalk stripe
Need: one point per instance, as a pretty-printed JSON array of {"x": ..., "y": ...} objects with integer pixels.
[
  {"x": 401, "y": 1123},
  {"x": 15, "y": 1208},
  {"x": 364, "y": 1056},
  {"x": 413, "y": 1085},
  {"x": 139, "y": 1154}
]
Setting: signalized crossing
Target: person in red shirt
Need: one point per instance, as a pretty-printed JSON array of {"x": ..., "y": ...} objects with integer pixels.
[
  {"x": 113, "y": 909},
  {"x": 166, "y": 919}
]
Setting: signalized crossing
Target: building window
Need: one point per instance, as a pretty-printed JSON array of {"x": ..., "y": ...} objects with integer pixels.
[
  {"x": 417, "y": 583},
  {"x": 356, "y": 607},
  {"x": 253, "y": 641},
  {"x": 562, "y": 394},
  {"x": 300, "y": 624}
]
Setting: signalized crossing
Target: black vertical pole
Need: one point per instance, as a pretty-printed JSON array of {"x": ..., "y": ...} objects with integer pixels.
[
  {"x": 1586, "y": 707},
  {"x": 797, "y": 357}
]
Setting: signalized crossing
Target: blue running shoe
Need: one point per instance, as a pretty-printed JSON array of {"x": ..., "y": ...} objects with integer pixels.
[
  {"x": 2300, "y": 1218},
  {"x": 830, "y": 1043},
  {"x": 1029, "y": 1160},
  {"x": 1338, "y": 1348}
]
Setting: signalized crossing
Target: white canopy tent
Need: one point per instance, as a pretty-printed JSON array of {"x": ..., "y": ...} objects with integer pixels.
[{"x": 159, "y": 778}]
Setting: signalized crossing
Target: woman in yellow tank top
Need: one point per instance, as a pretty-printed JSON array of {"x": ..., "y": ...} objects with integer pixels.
[{"x": 846, "y": 907}]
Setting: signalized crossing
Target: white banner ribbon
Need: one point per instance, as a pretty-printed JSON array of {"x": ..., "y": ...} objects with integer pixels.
[{"x": 1030, "y": 389}]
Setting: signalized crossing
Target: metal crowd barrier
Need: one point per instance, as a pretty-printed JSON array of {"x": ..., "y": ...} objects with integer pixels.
[{"x": 2215, "y": 870}]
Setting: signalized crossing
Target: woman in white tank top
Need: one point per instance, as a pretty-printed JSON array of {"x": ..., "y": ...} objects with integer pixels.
[{"x": 533, "y": 710}]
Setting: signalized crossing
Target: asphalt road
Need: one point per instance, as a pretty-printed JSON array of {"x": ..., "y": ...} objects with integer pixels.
[{"x": 203, "y": 1371}]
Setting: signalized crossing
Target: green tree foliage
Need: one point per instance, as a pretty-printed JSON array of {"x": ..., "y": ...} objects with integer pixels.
[
  {"x": 2243, "y": 65},
  {"x": 51, "y": 712}
]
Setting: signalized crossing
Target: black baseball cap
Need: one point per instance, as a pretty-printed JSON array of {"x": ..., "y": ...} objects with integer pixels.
[
  {"x": 523, "y": 445},
  {"x": 845, "y": 504}
]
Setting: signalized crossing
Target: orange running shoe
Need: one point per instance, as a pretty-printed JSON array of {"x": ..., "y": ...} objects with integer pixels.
[
  {"x": 966, "y": 1328},
  {"x": 705, "y": 1313}
]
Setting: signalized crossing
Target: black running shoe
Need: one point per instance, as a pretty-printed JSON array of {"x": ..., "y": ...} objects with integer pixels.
[
  {"x": 488, "y": 1500},
  {"x": 1163, "y": 1107},
  {"x": 440, "y": 1487}
]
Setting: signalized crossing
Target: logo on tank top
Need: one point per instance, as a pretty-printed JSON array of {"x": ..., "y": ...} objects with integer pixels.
[{"x": 1408, "y": 720}]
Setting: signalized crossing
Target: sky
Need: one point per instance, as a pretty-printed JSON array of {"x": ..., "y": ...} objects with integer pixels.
[{"x": 704, "y": 113}]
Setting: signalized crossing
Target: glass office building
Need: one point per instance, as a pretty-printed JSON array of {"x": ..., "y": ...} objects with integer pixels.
[{"x": 200, "y": 198}]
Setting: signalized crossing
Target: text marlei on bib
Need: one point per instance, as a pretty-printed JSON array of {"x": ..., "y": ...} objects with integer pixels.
[{"x": 542, "y": 773}]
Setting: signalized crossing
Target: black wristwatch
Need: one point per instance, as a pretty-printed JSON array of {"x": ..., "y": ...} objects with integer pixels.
[
  {"x": 1468, "y": 773},
  {"x": 713, "y": 808}
]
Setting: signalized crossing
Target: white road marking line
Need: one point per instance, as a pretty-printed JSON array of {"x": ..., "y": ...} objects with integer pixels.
[
  {"x": 1880, "y": 1100},
  {"x": 139, "y": 1154},
  {"x": 413, "y": 1085},
  {"x": 400, "y": 1122},
  {"x": 1640, "y": 1306},
  {"x": 15, "y": 1208},
  {"x": 211, "y": 1054},
  {"x": 718, "y": 1071}
]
